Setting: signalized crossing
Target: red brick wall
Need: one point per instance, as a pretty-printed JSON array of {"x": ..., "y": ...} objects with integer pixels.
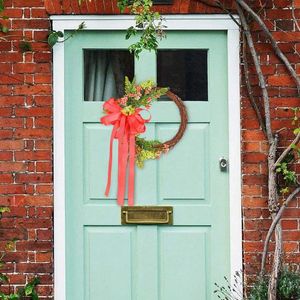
[
  {"x": 26, "y": 144},
  {"x": 283, "y": 96},
  {"x": 26, "y": 132}
]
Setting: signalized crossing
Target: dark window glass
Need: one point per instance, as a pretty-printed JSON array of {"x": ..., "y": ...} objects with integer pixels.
[
  {"x": 104, "y": 73},
  {"x": 184, "y": 72}
]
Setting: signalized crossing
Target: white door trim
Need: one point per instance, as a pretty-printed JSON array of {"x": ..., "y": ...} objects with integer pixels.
[{"x": 174, "y": 22}]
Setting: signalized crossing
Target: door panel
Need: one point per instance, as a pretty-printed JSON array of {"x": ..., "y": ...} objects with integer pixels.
[
  {"x": 116, "y": 246},
  {"x": 176, "y": 166},
  {"x": 108, "y": 261},
  {"x": 184, "y": 253}
]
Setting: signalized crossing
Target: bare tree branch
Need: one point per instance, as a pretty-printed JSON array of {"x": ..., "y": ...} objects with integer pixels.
[
  {"x": 272, "y": 288},
  {"x": 213, "y": 3},
  {"x": 259, "y": 73},
  {"x": 277, "y": 50},
  {"x": 273, "y": 225},
  {"x": 220, "y": 5},
  {"x": 294, "y": 17},
  {"x": 287, "y": 150},
  {"x": 272, "y": 176},
  {"x": 273, "y": 208},
  {"x": 249, "y": 88}
]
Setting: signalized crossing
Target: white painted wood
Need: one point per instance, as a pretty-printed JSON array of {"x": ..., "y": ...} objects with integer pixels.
[
  {"x": 236, "y": 255},
  {"x": 173, "y": 22},
  {"x": 59, "y": 172}
]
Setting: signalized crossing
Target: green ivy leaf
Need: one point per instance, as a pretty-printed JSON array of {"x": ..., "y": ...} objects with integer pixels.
[
  {"x": 53, "y": 38},
  {"x": 60, "y": 34},
  {"x": 34, "y": 295},
  {"x": 35, "y": 281},
  {"x": 4, "y": 209},
  {"x": 10, "y": 246},
  {"x": 284, "y": 190},
  {"x": 296, "y": 131},
  {"x": 28, "y": 290},
  {"x": 3, "y": 278},
  {"x": 25, "y": 46},
  {"x": 3, "y": 28},
  {"x": 130, "y": 32},
  {"x": 1, "y": 5}
]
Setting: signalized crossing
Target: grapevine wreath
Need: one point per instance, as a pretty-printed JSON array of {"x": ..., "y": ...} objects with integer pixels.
[{"x": 125, "y": 116}]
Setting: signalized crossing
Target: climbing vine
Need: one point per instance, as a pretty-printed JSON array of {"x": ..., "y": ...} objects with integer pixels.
[
  {"x": 147, "y": 21},
  {"x": 25, "y": 45}
]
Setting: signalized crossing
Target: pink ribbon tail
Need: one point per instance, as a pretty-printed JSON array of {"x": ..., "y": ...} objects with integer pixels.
[
  {"x": 108, "y": 184},
  {"x": 123, "y": 167},
  {"x": 122, "y": 161},
  {"x": 131, "y": 170}
]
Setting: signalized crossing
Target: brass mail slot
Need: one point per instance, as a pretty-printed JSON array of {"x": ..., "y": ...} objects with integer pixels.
[{"x": 147, "y": 215}]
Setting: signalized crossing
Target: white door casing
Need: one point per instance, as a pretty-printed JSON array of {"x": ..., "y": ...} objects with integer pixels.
[{"x": 173, "y": 22}]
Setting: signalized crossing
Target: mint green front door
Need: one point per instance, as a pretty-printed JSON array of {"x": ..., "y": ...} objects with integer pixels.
[{"x": 109, "y": 261}]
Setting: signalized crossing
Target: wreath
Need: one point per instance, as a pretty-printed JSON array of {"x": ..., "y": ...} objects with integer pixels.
[{"x": 125, "y": 114}]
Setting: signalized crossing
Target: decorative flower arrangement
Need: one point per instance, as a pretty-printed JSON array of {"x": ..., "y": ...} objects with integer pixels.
[
  {"x": 128, "y": 123},
  {"x": 141, "y": 97}
]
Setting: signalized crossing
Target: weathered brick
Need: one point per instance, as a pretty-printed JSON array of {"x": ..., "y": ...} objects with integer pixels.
[
  {"x": 12, "y": 166},
  {"x": 33, "y": 133},
  {"x": 33, "y": 112},
  {"x": 12, "y": 145},
  {"x": 33, "y": 155}
]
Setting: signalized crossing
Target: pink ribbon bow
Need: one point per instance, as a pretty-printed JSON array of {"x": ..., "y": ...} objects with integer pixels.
[{"x": 126, "y": 127}]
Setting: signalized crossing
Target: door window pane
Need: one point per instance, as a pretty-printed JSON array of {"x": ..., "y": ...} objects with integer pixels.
[
  {"x": 184, "y": 71},
  {"x": 104, "y": 73}
]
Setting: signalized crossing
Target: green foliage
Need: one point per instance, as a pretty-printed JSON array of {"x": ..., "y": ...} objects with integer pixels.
[
  {"x": 3, "y": 209},
  {"x": 25, "y": 46},
  {"x": 289, "y": 285},
  {"x": 289, "y": 176},
  {"x": 1, "y": 6},
  {"x": 29, "y": 290},
  {"x": 259, "y": 291},
  {"x": 141, "y": 95},
  {"x": 147, "y": 149},
  {"x": 3, "y": 278},
  {"x": 3, "y": 28},
  {"x": 54, "y": 36},
  {"x": 147, "y": 21}
]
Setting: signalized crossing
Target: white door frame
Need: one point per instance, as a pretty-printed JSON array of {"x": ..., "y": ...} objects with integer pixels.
[{"x": 173, "y": 22}]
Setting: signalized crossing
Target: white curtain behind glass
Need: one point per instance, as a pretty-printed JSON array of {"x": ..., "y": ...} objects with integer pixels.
[{"x": 100, "y": 83}]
